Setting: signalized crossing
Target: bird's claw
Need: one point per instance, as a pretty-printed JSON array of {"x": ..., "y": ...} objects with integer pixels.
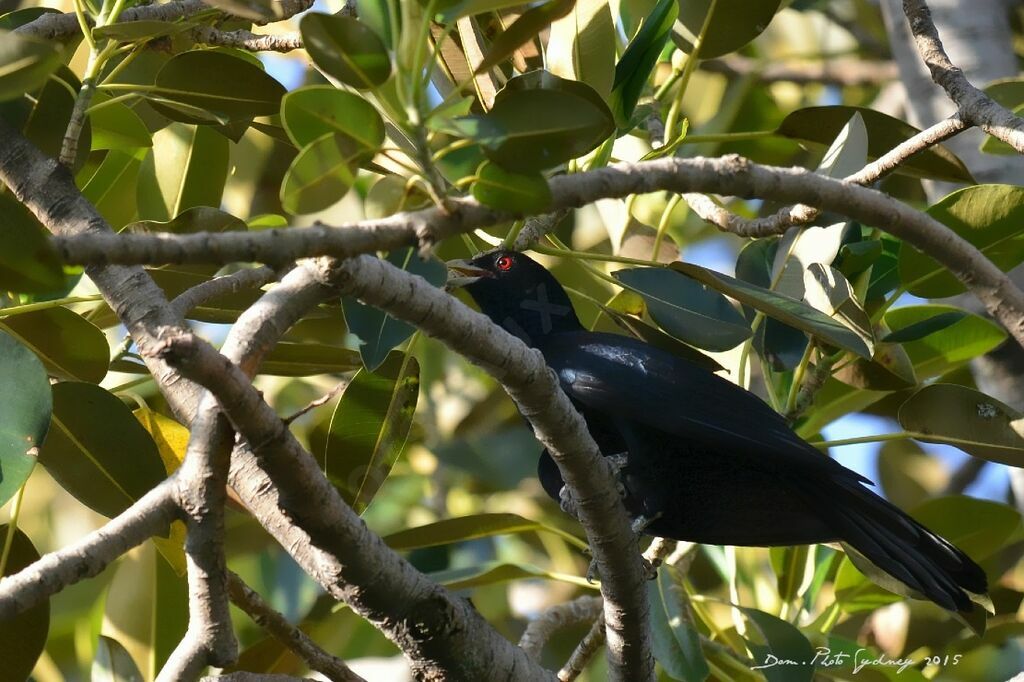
[{"x": 567, "y": 502}]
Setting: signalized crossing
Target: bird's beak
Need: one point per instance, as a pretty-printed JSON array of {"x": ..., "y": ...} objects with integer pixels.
[{"x": 462, "y": 272}]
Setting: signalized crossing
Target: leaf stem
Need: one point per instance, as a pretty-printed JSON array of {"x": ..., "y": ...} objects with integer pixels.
[
  {"x": 46, "y": 305},
  {"x": 728, "y": 137},
  {"x": 12, "y": 526}
]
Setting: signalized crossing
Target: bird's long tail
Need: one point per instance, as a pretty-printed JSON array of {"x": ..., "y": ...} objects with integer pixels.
[{"x": 902, "y": 547}]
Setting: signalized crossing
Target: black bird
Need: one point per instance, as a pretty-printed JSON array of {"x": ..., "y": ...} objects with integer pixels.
[{"x": 701, "y": 459}]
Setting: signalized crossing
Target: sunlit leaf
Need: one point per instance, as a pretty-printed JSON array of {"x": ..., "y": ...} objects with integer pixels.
[
  {"x": 948, "y": 348},
  {"x": 24, "y": 414},
  {"x": 320, "y": 175},
  {"x": 516, "y": 192},
  {"x": 313, "y": 111},
  {"x": 69, "y": 345},
  {"x": 25, "y": 64},
  {"x": 28, "y": 262},
  {"x": 674, "y": 639},
  {"x": 472, "y": 527},
  {"x": 526, "y": 27},
  {"x": 688, "y": 310},
  {"x": 635, "y": 66},
  {"x": 346, "y": 49},
  {"x": 581, "y": 45},
  {"x": 113, "y": 663},
  {"x": 497, "y": 572},
  {"x": 186, "y": 167},
  {"x": 304, "y": 359}
]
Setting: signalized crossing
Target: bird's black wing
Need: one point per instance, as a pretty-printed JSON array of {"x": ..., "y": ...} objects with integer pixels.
[{"x": 626, "y": 378}]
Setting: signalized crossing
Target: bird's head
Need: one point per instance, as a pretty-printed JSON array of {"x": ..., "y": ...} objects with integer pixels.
[{"x": 516, "y": 292}]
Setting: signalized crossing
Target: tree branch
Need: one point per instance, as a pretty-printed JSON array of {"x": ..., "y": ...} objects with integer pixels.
[
  {"x": 535, "y": 389},
  {"x": 150, "y": 515},
  {"x": 730, "y": 175},
  {"x": 973, "y": 105},
  {"x": 247, "y": 40},
  {"x": 841, "y": 72},
  {"x": 247, "y": 599},
  {"x": 249, "y": 278},
  {"x": 580, "y": 610}
]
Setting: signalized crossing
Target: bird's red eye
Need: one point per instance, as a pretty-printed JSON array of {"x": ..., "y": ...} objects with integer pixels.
[{"x": 504, "y": 263}]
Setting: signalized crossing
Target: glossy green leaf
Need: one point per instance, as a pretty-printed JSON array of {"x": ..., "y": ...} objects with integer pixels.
[
  {"x": 369, "y": 428},
  {"x": 686, "y": 309},
  {"x": 734, "y": 24},
  {"x": 889, "y": 369},
  {"x": 635, "y": 66},
  {"x": 392, "y": 194},
  {"x": 472, "y": 527},
  {"x": 581, "y": 45},
  {"x": 674, "y": 640},
  {"x": 539, "y": 120},
  {"x": 497, "y": 572},
  {"x": 28, "y": 262},
  {"x": 320, "y": 175},
  {"x": 377, "y": 15},
  {"x": 450, "y": 10},
  {"x": 926, "y": 327},
  {"x": 821, "y": 125},
  {"x": 523, "y": 29},
  {"x": 346, "y": 49},
  {"x": 315, "y": 110},
  {"x": 515, "y": 192},
  {"x": 116, "y": 126},
  {"x": 945, "y": 350},
  {"x": 113, "y": 663},
  {"x": 981, "y": 528},
  {"x": 112, "y": 189},
  {"x": 23, "y": 636},
  {"x": 69, "y": 346},
  {"x": 791, "y": 311},
  {"x": 654, "y": 336},
  {"x": 794, "y": 570},
  {"x": 146, "y": 609},
  {"x": 782, "y": 642},
  {"x": 379, "y": 332},
  {"x": 968, "y": 419},
  {"x": 989, "y": 217},
  {"x": 304, "y": 359},
  {"x": 25, "y": 64},
  {"x": 220, "y": 83},
  {"x": 24, "y": 414},
  {"x": 98, "y": 451},
  {"x": 826, "y": 289},
  {"x": 186, "y": 167}
]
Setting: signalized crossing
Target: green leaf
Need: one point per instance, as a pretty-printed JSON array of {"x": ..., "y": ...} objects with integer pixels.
[
  {"x": 450, "y": 10},
  {"x": 821, "y": 125},
  {"x": 784, "y": 642},
  {"x": 735, "y": 23},
  {"x": 516, "y": 192},
  {"x": 989, "y": 217},
  {"x": 191, "y": 221},
  {"x": 346, "y": 49},
  {"x": 981, "y": 528},
  {"x": 794, "y": 570},
  {"x": 377, "y": 15},
  {"x": 686, "y": 309},
  {"x": 146, "y": 609},
  {"x": 654, "y": 336},
  {"x": 524, "y": 28},
  {"x": 113, "y": 187},
  {"x": 379, "y": 332},
  {"x": 539, "y": 120},
  {"x": 25, "y": 64},
  {"x": 98, "y": 451},
  {"x": 909, "y": 475},
  {"x": 826, "y": 289},
  {"x": 926, "y": 327},
  {"x": 976, "y": 423},
  {"x": 113, "y": 663},
  {"x": 22, "y": 637},
  {"x": 472, "y": 527},
  {"x": 944, "y": 350},
  {"x": 116, "y": 126},
  {"x": 855, "y": 592},
  {"x": 315, "y": 110},
  {"x": 637, "y": 62},
  {"x": 674, "y": 640},
  {"x": 889, "y": 369},
  {"x": 187, "y": 167},
  {"x": 320, "y": 175},
  {"x": 28, "y": 263},
  {"x": 369, "y": 428},
  {"x": 24, "y": 414},
  {"x": 305, "y": 359},
  {"x": 220, "y": 83},
  {"x": 791, "y": 311},
  {"x": 70, "y": 346},
  {"x": 581, "y": 46}
]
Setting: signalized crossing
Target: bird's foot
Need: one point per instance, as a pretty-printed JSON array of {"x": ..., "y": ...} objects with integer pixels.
[
  {"x": 618, "y": 462},
  {"x": 567, "y": 502}
]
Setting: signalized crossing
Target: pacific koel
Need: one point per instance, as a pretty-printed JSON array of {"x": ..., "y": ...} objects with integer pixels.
[{"x": 701, "y": 459}]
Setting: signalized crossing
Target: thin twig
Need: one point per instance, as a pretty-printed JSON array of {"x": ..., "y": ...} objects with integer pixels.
[
  {"x": 313, "y": 404},
  {"x": 249, "y": 278},
  {"x": 583, "y": 609},
  {"x": 301, "y": 644}
]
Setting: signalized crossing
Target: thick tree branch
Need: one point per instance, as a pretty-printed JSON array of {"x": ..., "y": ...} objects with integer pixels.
[
  {"x": 247, "y": 599},
  {"x": 730, "y": 175},
  {"x": 150, "y": 515},
  {"x": 973, "y": 105},
  {"x": 247, "y": 40},
  {"x": 55, "y": 26},
  {"x": 535, "y": 389},
  {"x": 802, "y": 214}
]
